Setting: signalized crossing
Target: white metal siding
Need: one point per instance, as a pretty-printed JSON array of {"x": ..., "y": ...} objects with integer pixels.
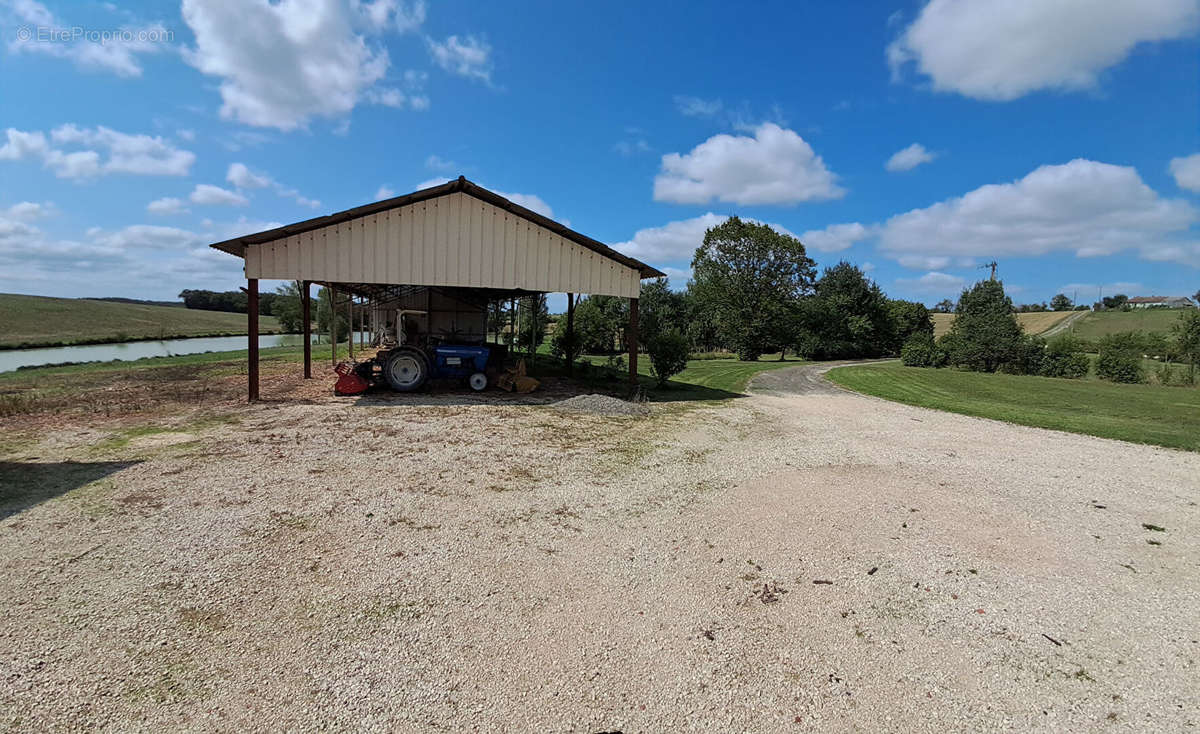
[{"x": 454, "y": 240}]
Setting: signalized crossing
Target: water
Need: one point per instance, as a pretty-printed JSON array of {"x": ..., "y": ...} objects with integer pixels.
[{"x": 11, "y": 359}]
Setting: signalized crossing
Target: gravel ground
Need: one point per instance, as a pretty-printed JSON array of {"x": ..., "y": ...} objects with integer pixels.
[{"x": 807, "y": 562}]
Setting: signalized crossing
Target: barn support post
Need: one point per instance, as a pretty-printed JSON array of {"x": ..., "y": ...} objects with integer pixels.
[
  {"x": 252, "y": 338},
  {"x": 571, "y": 340},
  {"x": 350, "y": 325},
  {"x": 333, "y": 323},
  {"x": 632, "y": 338},
  {"x": 306, "y": 317}
]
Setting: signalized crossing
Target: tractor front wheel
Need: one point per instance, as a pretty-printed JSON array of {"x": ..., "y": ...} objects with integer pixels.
[
  {"x": 478, "y": 381},
  {"x": 406, "y": 370}
]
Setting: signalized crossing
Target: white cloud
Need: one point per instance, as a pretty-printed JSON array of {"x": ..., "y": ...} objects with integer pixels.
[
  {"x": 81, "y": 164},
  {"x": 1001, "y": 51},
  {"x": 281, "y": 64},
  {"x": 467, "y": 56},
  {"x": 933, "y": 283},
  {"x": 676, "y": 241},
  {"x": 127, "y": 153},
  {"x": 209, "y": 195},
  {"x": 381, "y": 15},
  {"x": 1186, "y": 171},
  {"x": 698, "y": 107},
  {"x": 1084, "y": 207},
  {"x": 631, "y": 147},
  {"x": 437, "y": 163},
  {"x": 148, "y": 237},
  {"x": 384, "y": 193},
  {"x": 835, "y": 237},
  {"x": 776, "y": 166},
  {"x": 242, "y": 177},
  {"x": 27, "y": 211},
  {"x": 186, "y": 134},
  {"x": 166, "y": 206},
  {"x": 139, "y": 154},
  {"x": 20, "y": 144},
  {"x": 909, "y": 158},
  {"x": 117, "y": 52}
]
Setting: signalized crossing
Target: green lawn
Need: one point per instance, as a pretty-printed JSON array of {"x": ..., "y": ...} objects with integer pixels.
[
  {"x": 1097, "y": 324},
  {"x": 29, "y": 321},
  {"x": 1164, "y": 416},
  {"x": 703, "y": 379}
]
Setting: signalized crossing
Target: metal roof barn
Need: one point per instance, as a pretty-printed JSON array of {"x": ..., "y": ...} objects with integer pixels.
[{"x": 459, "y": 241}]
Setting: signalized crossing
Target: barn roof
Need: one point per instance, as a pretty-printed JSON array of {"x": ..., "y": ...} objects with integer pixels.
[{"x": 237, "y": 245}]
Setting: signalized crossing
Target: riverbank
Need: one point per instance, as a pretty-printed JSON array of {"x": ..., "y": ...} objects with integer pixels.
[{"x": 35, "y": 322}]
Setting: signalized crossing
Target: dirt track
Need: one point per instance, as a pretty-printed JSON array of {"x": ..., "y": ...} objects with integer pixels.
[{"x": 453, "y": 567}]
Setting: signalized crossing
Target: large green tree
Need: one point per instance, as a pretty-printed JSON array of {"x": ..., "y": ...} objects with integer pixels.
[
  {"x": 288, "y": 307},
  {"x": 325, "y": 314},
  {"x": 985, "y": 334},
  {"x": 751, "y": 278},
  {"x": 847, "y": 316},
  {"x": 908, "y": 318},
  {"x": 1060, "y": 302}
]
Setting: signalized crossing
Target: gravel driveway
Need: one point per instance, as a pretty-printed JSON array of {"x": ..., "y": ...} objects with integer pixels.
[{"x": 811, "y": 562}]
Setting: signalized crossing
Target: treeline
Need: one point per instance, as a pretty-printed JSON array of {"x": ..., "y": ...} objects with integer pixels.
[
  {"x": 231, "y": 301},
  {"x": 986, "y": 337},
  {"x": 754, "y": 291}
]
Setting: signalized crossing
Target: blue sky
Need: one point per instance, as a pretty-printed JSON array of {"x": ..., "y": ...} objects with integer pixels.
[{"x": 918, "y": 140}]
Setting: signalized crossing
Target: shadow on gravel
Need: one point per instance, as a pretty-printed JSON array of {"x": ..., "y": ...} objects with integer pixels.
[
  {"x": 26, "y": 484},
  {"x": 552, "y": 390}
]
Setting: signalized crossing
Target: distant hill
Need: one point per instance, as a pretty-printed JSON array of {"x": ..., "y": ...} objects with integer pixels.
[
  {"x": 33, "y": 321},
  {"x": 1032, "y": 323}
]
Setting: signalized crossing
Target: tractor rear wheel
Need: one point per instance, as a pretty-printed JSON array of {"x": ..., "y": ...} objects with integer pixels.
[{"x": 406, "y": 370}]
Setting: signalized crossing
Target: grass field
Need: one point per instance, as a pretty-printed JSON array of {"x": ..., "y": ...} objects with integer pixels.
[
  {"x": 36, "y": 321},
  {"x": 1164, "y": 416},
  {"x": 1032, "y": 323},
  {"x": 1101, "y": 323}
]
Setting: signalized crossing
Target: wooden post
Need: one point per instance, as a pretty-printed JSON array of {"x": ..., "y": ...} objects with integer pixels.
[
  {"x": 252, "y": 344},
  {"x": 350, "y": 325},
  {"x": 333, "y": 323},
  {"x": 571, "y": 333},
  {"x": 632, "y": 339},
  {"x": 306, "y": 317}
]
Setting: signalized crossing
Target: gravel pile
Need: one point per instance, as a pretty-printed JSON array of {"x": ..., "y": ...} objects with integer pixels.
[
  {"x": 775, "y": 563},
  {"x": 597, "y": 404}
]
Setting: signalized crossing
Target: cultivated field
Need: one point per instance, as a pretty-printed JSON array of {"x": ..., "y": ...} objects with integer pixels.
[
  {"x": 1154, "y": 414},
  {"x": 1032, "y": 323},
  {"x": 812, "y": 562},
  {"x": 27, "y": 321}
]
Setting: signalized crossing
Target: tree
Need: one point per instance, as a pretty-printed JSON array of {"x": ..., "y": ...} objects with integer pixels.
[
  {"x": 1186, "y": 335},
  {"x": 751, "y": 277},
  {"x": 908, "y": 318},
  {"x": 325, "y": 314},
  {"x": 848, "y": 315},
  {"x": 668, "y": 352},
  {"x": 944, "y": 306},
  {"x": 985, "y": 334},
  {"x": 1065, "y": 358},
  {"x": 661, "y": 309},
  {"x": 1060, "y": 302},
  {"x": 921, "y": 351},
  {"x": 1120, "y": 358},
  {"x": 599, "y": 322},
  {"x": 1112, "y": 303},
  {"x": 288, "y": 306},
  {"x": 533, "y": 318}
]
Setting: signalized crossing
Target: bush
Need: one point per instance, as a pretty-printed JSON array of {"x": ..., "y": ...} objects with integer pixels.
[
  {"x": 1121, "y": 358},
  {"x": 919, "y": 351},
  {"x": 1065, "y": 357},
  {"x": 1028, "y": 357},
  {"x": 1165, "y": 374},
  {"x": 668, "y": 354}
]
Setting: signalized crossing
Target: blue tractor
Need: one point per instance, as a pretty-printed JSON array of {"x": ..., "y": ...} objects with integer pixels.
[{"x": 408, "y": 368}]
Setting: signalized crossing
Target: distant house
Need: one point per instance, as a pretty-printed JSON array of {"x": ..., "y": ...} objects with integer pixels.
[{"x": 1161, "y": 302}]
